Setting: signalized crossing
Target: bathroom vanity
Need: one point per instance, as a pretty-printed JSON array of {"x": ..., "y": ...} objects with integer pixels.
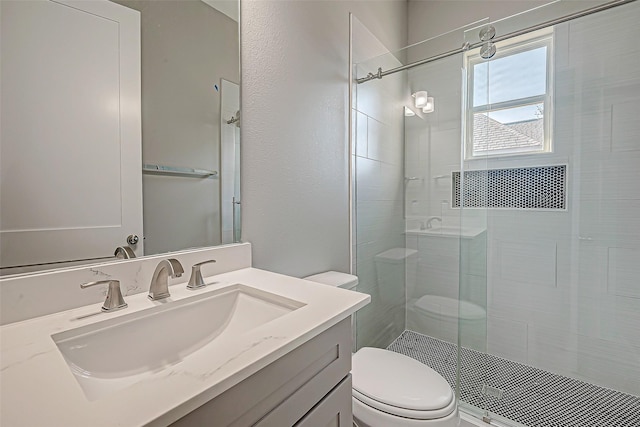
[
  {"x": 251, "y": 348},
  {"x": 310, "y": 386}
]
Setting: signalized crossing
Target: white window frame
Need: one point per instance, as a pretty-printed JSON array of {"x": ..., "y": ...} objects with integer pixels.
[{"x": 512, "y": 46}]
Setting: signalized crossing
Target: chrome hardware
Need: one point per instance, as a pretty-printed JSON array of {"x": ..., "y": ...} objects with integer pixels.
[
  {"x": 124, "y": 252},
  {"x": 487, "y": 33},
  {"x": 166, "y": 268},
  {"x": 132, "y": 239},
  {"x": 487, "y": 50},
  {"x": 196, "y": 281},
  {"x": 378, "y": 75},
  {"x": 114, "y": 300},
  {"x": 234, "y": 119},
  {"x": 428, "y": 224}
]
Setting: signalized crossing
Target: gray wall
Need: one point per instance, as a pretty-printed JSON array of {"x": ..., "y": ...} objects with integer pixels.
[
  {"x": 295, "y": 109},
  {"x": 430, "y": 18}
]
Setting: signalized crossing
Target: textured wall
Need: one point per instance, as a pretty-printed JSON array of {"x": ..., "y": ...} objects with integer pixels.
[{"x": 295, "y": 110}]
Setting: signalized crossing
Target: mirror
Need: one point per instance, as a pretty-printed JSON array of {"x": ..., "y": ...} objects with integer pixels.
[{"x": 184, "y": 184}]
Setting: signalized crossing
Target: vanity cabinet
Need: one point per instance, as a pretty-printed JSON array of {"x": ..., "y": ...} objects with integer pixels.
[
  {"x": 307, "y": 387},
  {"x": 334, "y": 410}
]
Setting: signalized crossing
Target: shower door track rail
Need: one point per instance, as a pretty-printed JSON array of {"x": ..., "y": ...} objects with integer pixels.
[{"x": 468, "y": 46}]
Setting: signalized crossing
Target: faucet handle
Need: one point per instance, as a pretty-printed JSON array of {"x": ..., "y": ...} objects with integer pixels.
[
  {"x": 114, "y": 300},
  {"x": 196, "y": 281}
]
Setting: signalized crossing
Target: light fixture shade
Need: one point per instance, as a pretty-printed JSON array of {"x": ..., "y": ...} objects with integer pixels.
[
  {"x": 429, "y": 106},
  {"x": 408, "y": 112},
  {"x": 420, "y": 98}
]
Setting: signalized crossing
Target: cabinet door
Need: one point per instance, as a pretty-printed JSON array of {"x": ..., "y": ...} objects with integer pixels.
[
  {"x": 334, "y": 410},
  {"x": 71, "y": 178}
]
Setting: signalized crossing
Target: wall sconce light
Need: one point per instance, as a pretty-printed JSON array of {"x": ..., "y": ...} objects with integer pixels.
[
  {"x": 429, "y": 106},
  {"x": 420, "y": 100},
  {"x": 408, "y": 112}
]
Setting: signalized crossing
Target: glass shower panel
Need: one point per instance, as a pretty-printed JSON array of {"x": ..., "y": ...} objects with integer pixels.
[
  {"x": 441, "y": 314},
  {"x": 378, "y": 147},
  {"x": 432, "y": 153},
  {"x": 562, "y": 249},
  {"x": 408, "y": 240}
]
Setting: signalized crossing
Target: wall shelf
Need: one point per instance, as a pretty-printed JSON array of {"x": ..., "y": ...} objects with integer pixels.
[{"x": 178, "y": 171}]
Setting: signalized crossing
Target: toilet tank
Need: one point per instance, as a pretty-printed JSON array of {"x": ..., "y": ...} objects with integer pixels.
[
  {"x": 335, "y": 278},
  {"x": 392, "y": 267},
  {"x": 340, "y": 280}
]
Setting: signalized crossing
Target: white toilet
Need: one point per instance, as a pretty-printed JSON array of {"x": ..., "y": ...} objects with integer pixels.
[
  {"x": 393, "y": 267},
  {"x": 391, "y": 389},
  {"x": 444, "y": 318}
]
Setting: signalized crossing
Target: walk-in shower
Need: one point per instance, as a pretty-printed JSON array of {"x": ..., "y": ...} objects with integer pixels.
[{"x": 497, "y": 228}]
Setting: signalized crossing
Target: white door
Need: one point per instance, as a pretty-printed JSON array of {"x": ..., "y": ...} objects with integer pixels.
[{"x": 70, "y": 147}]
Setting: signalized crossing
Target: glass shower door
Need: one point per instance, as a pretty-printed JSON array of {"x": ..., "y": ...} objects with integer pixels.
[{"x": 469, "y": 184}]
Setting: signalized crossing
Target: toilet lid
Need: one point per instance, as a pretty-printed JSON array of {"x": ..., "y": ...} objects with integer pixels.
[{"x": 395, "y": 383}]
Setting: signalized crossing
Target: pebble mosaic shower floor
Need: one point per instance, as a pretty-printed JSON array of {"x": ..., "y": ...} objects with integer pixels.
[{"x": 528, "y": 395}]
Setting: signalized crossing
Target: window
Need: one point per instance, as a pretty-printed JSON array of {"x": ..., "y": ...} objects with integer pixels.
[{"x": 509, "y": 98}]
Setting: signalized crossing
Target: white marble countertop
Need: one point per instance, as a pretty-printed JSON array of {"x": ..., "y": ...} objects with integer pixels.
[{"x": 37, "y": 388}]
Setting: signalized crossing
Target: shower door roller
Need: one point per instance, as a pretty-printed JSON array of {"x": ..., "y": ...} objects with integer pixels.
[
  {"x": 488, "y": 50},
  {"x": 132, "y": 239},
  {"x": 487, "y": 33}
]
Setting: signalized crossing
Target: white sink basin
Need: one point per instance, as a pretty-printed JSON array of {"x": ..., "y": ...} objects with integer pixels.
[{"x": 113, "y": 354}]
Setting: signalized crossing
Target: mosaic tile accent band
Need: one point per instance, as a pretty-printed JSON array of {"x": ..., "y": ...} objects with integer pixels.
[
  {"x": 527, "y": 395},
  {"x": 541, "y": 187}
]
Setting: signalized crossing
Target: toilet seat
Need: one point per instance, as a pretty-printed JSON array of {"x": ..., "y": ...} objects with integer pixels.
[
  {"x": 405, "y": 413},
  {"x": 399, "y": 385}
]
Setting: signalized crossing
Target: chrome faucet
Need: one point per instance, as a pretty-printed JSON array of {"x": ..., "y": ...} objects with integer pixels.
[
  {"x": 160, "y": 281},
  {"x": 124, "y": 252},
  {"x": 428, "y": 224}
]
